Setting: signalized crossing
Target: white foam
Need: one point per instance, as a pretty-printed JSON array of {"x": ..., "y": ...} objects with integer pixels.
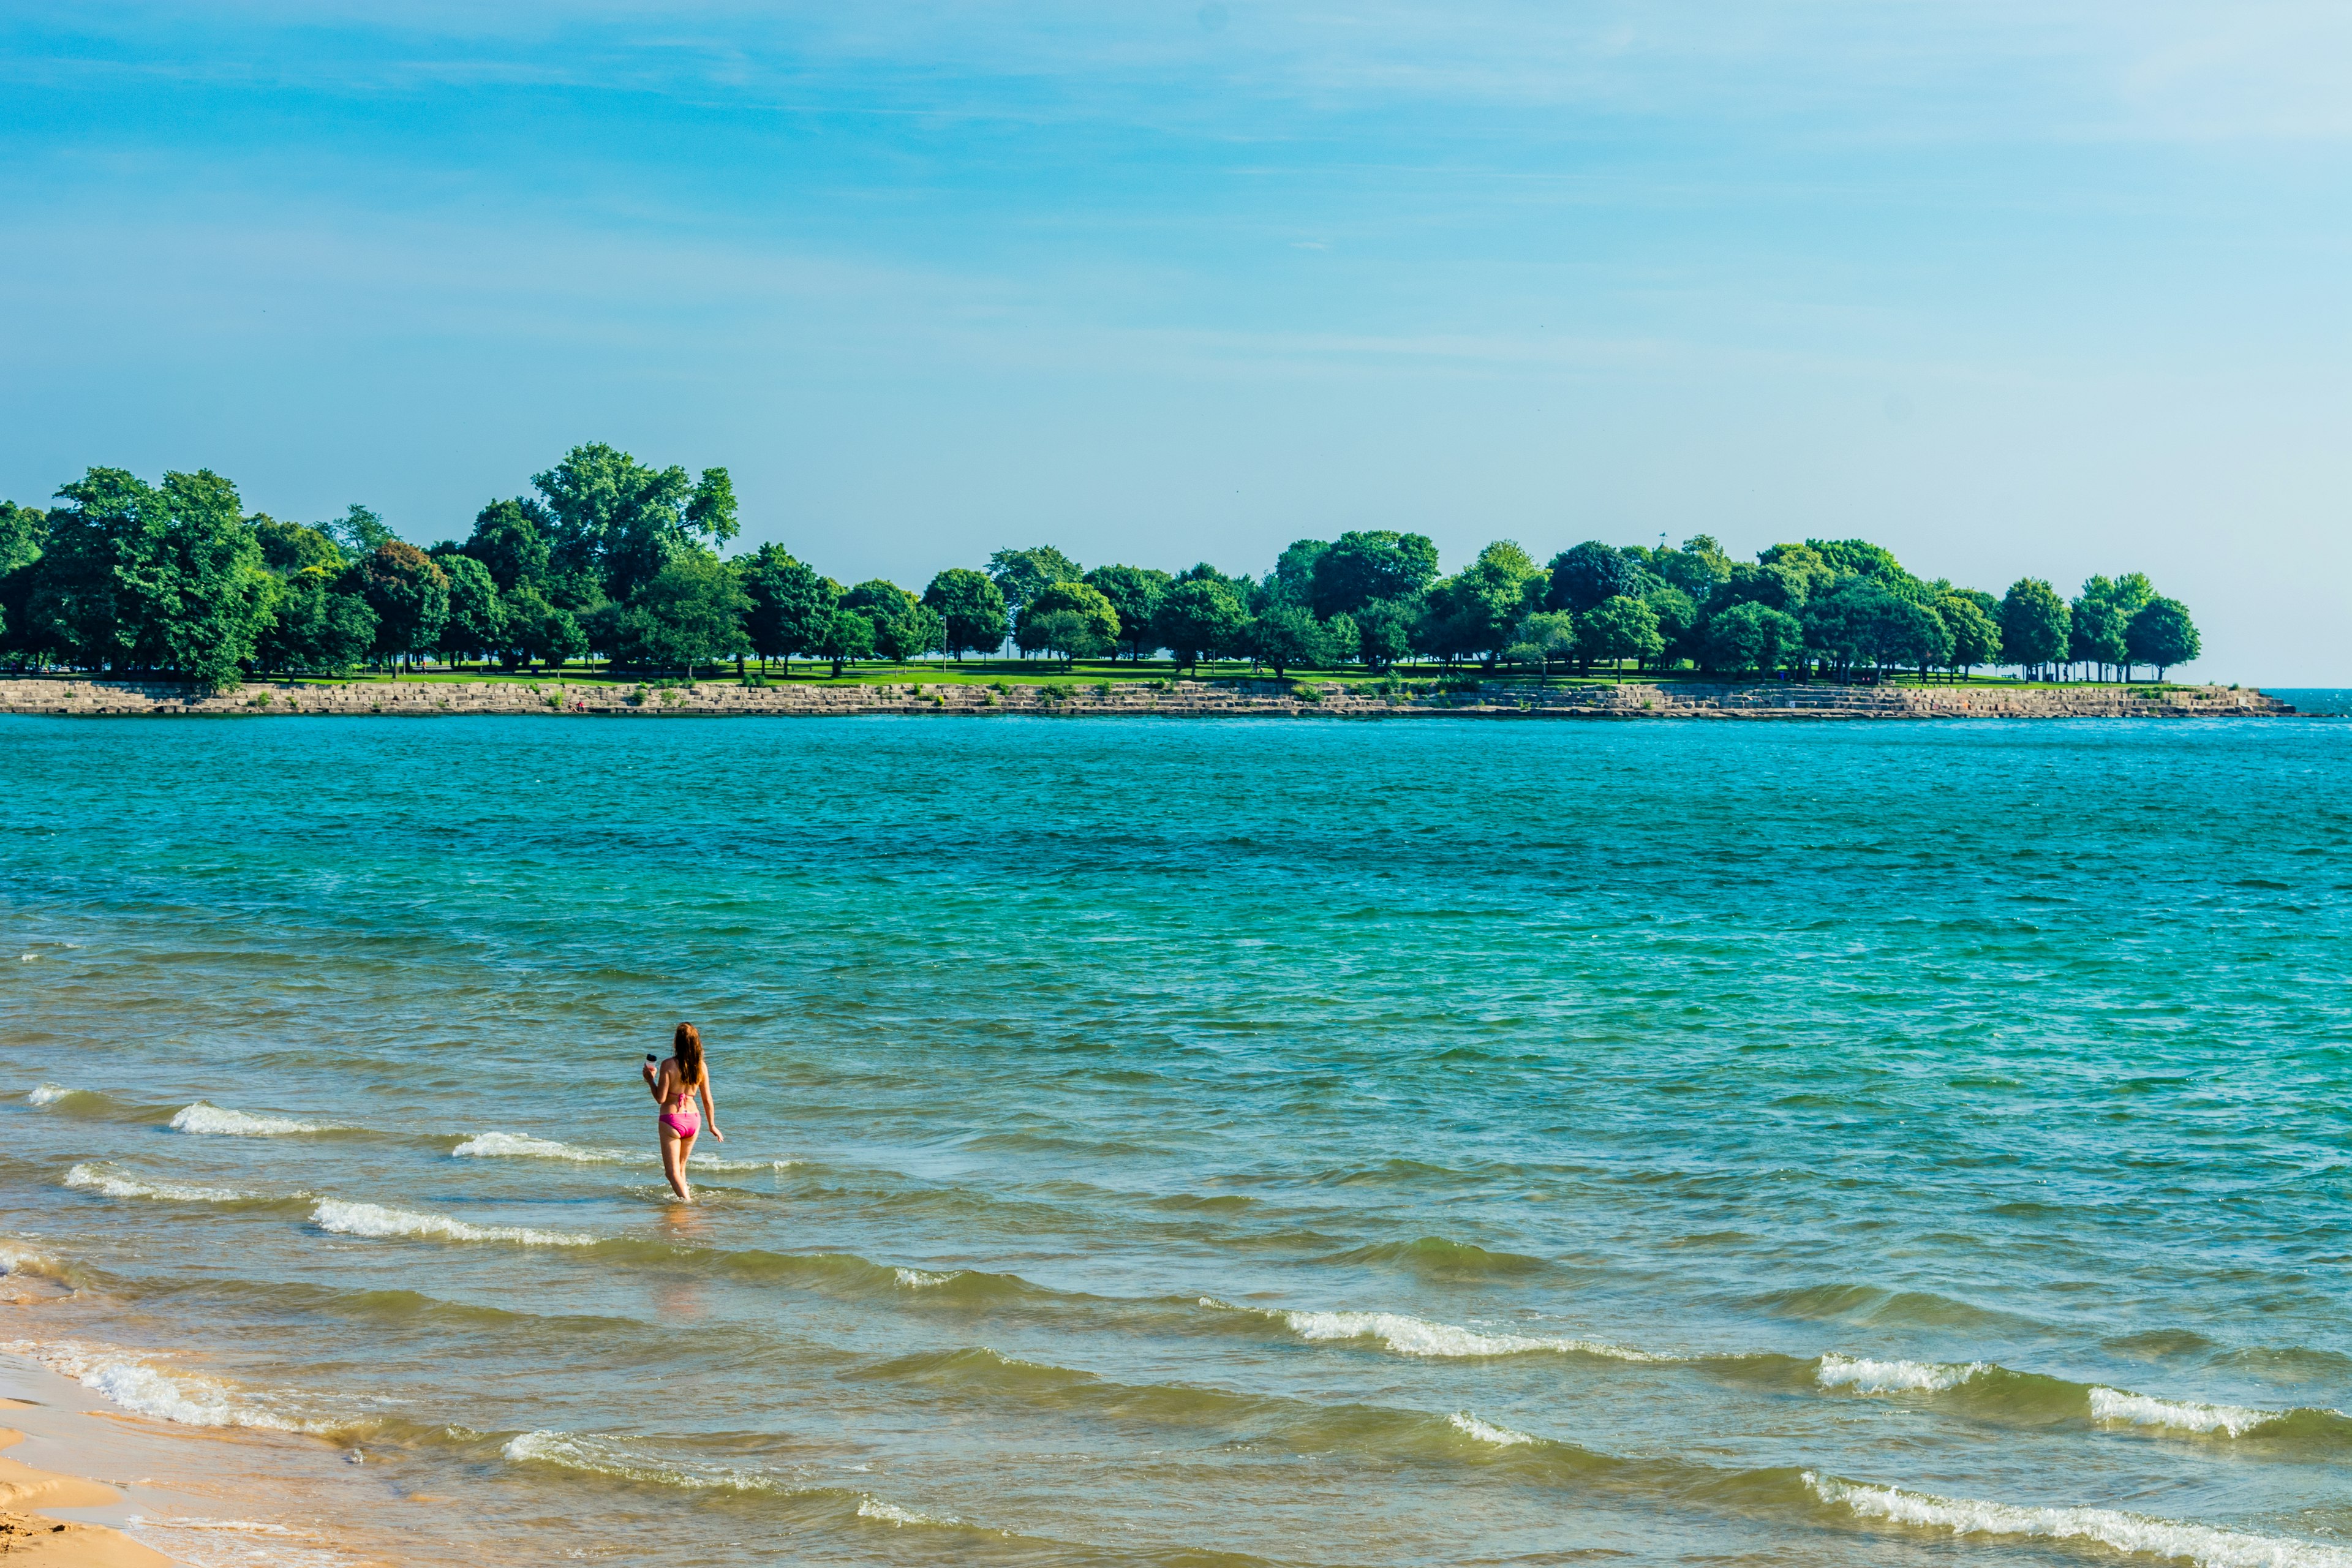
[
  {"x": 2184, "y": 1416},
  {"x": 920, "y": 1279},
  {"x": 145, "y": 1389},
  {"x": 95, "y": 1179},
  {"x": 17, "y": 1259},
  {"x": 1866, "y": 1376},
  {"x": 1486, "y": 1431},
  {"x": 871, "y": 1507},
  {"x": 219, "y": 1119},
  {"x": 376, "y": 1220},
  {"x": 2204, "y": 1544},
  {"x": 702, "y": 1161},
  {"x": 606, "y": 1456},
  {"x": 50, "y": 1093},
  {"x": 523, "y": 1146},
  {"x": 1417, "y": 1336},
  {"x": 231, "y": 1543}
]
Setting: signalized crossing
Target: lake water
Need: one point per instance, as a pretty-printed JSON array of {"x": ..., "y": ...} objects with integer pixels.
[{"x": 1202, "y": 1144}]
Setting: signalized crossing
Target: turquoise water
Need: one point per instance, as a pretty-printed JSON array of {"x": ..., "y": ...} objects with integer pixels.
[{"x": 1214, "y": 1142}]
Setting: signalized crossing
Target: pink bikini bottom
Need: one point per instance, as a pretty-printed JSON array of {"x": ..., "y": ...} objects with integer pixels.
[{"x": 685, "y": 1126}]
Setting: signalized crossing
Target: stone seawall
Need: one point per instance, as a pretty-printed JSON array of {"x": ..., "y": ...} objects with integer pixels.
[{"x": 1171, "y": 699}]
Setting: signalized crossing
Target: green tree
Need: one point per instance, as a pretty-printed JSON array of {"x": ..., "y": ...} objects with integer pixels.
[
  {"x": 1542, "y": 636},
  {"x": 2095, "y": 628},
  {"x": 2161, "y": 634},
  {"x": 877, "y": 600},
  {"x": 1473, "y": 611},
  {"x": 1851, "y": 621},
  {"x": 24, "y": 534},
  {"x": 1292, "y": 581},
  {"x": 409, "y": 593},
  {"x": 1102, "y": 624},
  {"x": 920, "y": 631},
  {"x": 1019, "y": 573},
  {"x": 689, "y": 612},
  {"x": 619, "y": 521},
  {"x": 792, "y": 606},
  {"x": 1384, "y": 630},
  {"x": 315, "y": 629},
  {"x": 287, "y": 548},
  {"x": 536, "y": 629},
  {"x": 1068, "y": 633},
  {"x": 1288, "y": 635},
  {"x": 1678, "y": 620},
  {"x": 1201, "y": 619},
  {"x": 1343, "y": 640},
  {"x": 1976, "y": 635},
  {"x": 510, "y": 539},
  {"x": 2033, "y": 624},
  {"x": 1585, "y": 574},
  {"x": 477, "y": 623},
  {"x": 1365, "y": 567},
  {"x": 1750, "y": 635},
  {"x": 1915, "y": 635},
  {"x": 972, "y": 606},
  {"x": 1135, "y": 593},
  {"x": 360, "y": 532},
  {"x": 1621, "y": 628},
  {"x": 847, "y": 636}
]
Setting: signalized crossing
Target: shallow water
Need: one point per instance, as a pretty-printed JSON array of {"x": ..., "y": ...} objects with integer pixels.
[{"x": 1200, "y": 1143}]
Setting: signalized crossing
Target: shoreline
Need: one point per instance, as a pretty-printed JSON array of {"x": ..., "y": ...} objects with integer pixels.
[{"x": 1301, "y": 699}]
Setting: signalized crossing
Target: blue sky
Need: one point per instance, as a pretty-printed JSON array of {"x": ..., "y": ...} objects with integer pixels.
[{"x": 2012, "y": 288}]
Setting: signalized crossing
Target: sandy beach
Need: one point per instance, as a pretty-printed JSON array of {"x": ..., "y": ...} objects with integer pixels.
[{"x": 83, "y": 1484}]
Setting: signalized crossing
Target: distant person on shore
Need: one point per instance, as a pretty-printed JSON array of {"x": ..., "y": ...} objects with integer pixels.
[{"x": 675, "y": 1084}]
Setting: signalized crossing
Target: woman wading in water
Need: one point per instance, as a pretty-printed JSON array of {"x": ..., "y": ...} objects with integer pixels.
[{"x": 675, "y": 1084}]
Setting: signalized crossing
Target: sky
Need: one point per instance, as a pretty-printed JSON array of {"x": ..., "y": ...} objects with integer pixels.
[{"x": 2013, "y": 288}]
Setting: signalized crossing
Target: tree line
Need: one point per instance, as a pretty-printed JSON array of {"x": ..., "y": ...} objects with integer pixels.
[{"x": 613, "y": 558}]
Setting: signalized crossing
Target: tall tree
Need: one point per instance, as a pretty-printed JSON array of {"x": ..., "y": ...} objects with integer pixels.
[
  {"x": 973, "y": 608},
  {"x": 1292, "y": 581},
  {"x": 1585, "y": 574},
  {"x": 1135, "y": 593},
  {"x": 510, "y": 538},
  {"x": 1365, "y": 565},
  {"x": 1384, "y": 630},
  {"x": 2162, "y": 635},
  {"x": 1976, "y": 635},
  {"x": 1473, "y": 610},
  {"x": 1542, "y": 636},
  {"x": 477, "y": 624},
  {"x": 2033, "y": 623},
  {"x": 359, "y": 530},
  {"x": 620, "y": 520},
  {"x": 847, "y": 636},
  {"x": 1288, "y": 635},
  {"x": 1750, "y": 635},
  {"x": 409, "y": 593},
  {"x": 24, "y": 534},
  {"x": 1201, "y": 619},
  {"x": 1619, "y": 628},
  {"x": 792, "y": 606},
  {"x": 289, "y": 547},
  {"x": 1100, "y": 633},
  {"x": 1019, "y": 573},
  {"x": 691, "y": 613}
]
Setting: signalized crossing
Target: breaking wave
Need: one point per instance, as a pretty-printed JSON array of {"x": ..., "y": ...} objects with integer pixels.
[
  {"x": 222, "y": 1122},
  {"x": 377, "y": 1221},
  {"x": 143, "y": 1388},
  {"x": 2206, "y": 1545},
  {"x": 1419, "y": 1337},
  {"x": 97, "y": 1179},
  {"x": 1866, "y": 1376}
]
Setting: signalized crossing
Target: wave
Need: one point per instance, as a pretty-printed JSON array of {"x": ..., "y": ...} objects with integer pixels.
[
  {"x": 140, "y": 1386},
  {"x": 619, "y": 1458},
  {"x": 1436, "y": 1257},
  {"x": 524, "y": 1146},
  {"x": 201, "y": 1117},
  {"x": 1866, "y": 1376},
  {"x": 376, "y": 1220},
  {"x": 872, "y": 1507},
  {"x": 1487, "y": 1431},
  {"x": 2184, "y": 1416},
  {"x": 2208, "y": 1545},
  {"x": 50, "y": 1093},
  {"x": 97, "y": 1179},
  {"x": 1419, "y": 1337}
]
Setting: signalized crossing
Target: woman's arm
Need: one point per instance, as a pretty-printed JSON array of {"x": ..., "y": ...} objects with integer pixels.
[
  {"x": 654, "y": 1076},
  {"x": 711, "y": 1111}
]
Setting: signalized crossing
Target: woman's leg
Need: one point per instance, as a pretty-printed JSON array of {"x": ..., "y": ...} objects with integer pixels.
[{"x": 672, "y": 1153}]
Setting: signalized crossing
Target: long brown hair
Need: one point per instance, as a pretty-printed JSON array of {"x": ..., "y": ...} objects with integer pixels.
[{"x": 686, "y": 1046}]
